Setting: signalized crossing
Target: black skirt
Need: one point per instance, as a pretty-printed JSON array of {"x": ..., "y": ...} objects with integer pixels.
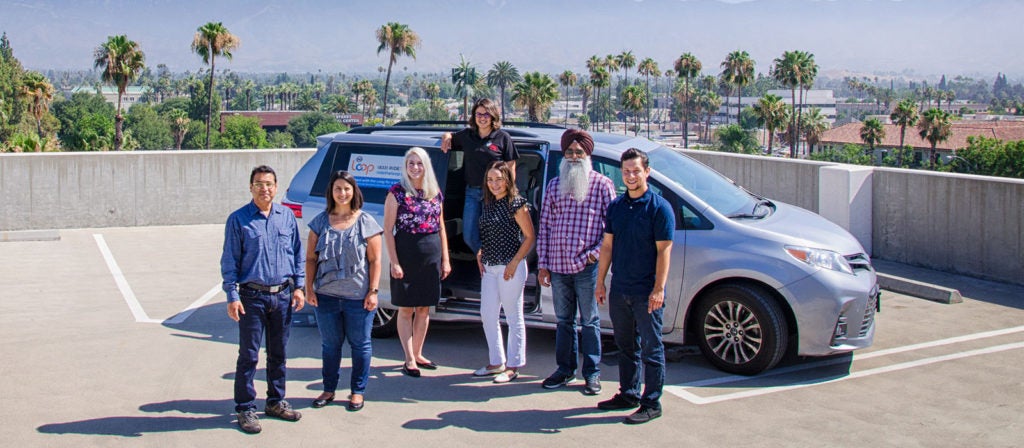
[{"x": 420, "y": 258}]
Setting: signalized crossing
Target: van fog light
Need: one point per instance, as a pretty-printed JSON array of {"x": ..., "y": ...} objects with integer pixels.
[{"x": 840, "y": 331}]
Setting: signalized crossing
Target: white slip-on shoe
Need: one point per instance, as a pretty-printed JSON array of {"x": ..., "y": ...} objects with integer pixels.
[
  {"x": 507, "y": 376},
  {"x": 487, "y": 371}
]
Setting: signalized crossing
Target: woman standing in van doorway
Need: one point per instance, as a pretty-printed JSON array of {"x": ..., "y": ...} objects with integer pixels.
[
  {"x": 418, "y": 248},
  {"x": 506, "y": 233},
  {"x": 343, "y": 259},
  {"x": 482, "y": 143}
]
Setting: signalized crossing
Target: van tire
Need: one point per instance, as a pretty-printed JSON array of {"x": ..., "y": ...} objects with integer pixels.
[
  {"x": 385, "y": 323},
  {"x": 741, "y": 329}
]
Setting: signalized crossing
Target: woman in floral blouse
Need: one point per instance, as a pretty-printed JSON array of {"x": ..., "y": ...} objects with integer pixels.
[{"x": 418, "y": 247}]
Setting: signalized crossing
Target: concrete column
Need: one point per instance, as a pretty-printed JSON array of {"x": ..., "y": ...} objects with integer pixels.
[{"x": 844, "y": 197}]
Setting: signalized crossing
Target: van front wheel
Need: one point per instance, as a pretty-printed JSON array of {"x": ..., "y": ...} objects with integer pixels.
[
  {"x": 742, "y": 330},
  {"x": 385, "y": 323}
]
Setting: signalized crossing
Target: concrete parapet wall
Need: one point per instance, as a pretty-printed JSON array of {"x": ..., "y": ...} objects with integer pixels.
[
  {"x": 788, "y": 180},
  {"x": 972, "y": 225},
  {"x": 960, "y": 223},
  {"x": 138, "y": 188}
]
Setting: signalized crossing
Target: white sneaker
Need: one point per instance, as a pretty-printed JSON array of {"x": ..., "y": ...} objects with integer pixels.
[
  {"x": 485, "y": 371},
  {"x": 507, "y": 376}
]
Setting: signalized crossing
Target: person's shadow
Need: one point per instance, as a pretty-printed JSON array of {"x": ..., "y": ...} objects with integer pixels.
[
  {"x": 209, "y": 415},
  {"x": 524, "y": 421}
]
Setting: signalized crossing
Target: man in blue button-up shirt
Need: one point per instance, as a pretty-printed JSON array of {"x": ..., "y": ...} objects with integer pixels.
[{"x": 263, "y": 267}]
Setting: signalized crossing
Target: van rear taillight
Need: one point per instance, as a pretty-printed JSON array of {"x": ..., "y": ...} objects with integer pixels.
[{"x": 296, "y": 208}]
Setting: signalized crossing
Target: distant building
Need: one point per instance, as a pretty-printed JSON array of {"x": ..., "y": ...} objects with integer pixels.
[
  {"x": 277, "y": 120},
  {"x": 132, "y": 94},
  {"x": 961, "y": 129},
  {"x": 822, "y": 99}
]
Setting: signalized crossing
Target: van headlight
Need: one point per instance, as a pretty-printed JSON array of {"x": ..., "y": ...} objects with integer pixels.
[{"x": 821, "y": 258}]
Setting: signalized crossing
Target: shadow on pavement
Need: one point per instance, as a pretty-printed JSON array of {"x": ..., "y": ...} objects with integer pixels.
[
  {"x": 526, "y": 421},
  {"x": 133, "y": 426}
]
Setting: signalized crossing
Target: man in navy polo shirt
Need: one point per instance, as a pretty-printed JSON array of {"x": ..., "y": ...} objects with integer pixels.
[
  {"x": 637, "y": 243},
  {"x": 264, "y": 270}
]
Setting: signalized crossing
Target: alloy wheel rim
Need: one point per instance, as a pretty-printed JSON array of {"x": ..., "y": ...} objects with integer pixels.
[{"x": 733, "y": 332}]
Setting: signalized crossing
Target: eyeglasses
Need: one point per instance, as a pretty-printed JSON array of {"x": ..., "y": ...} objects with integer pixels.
[
  {"x": 484, "y": 115},
  {"x": 263, "y": 185}
]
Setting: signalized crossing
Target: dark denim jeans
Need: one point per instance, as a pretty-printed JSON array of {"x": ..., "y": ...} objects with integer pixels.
[
  {"x": 471, "y": 218},
  {"x": 340, "y": 319},
  {"x": 267, "y": 315},
  {"x": 572, "y": 292},
  {"x": 638, "y": 335}
]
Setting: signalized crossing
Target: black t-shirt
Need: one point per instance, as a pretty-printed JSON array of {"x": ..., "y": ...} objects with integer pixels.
[{"x": 480, "y": 152}]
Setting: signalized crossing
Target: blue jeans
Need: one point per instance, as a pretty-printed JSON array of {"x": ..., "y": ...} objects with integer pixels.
[
  {"x": 571, "y": 292},
  {"x": 638, "y": 335},
  {"x": 267, "y": 315},
  {"x": 340, "y": 319},
  {"x": 471, "y": 218}
]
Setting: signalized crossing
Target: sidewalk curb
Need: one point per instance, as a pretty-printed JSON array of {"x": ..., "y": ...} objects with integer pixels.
[
  {"x": 918, "y": 289},
  {"x": 29, "y": 235}
]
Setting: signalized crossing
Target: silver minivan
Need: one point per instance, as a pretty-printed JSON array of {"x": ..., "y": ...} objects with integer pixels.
[{"x": 750, "y": 278}]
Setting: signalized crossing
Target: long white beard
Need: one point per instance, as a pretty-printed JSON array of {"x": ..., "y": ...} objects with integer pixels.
[{"x": 575, "y": 178}]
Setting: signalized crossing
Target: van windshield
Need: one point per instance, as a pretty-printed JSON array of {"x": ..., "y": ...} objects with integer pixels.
[{"x": 711, "y": 187}]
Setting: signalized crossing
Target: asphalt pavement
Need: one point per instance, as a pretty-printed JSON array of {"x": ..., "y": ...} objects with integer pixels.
[{"x": 119, "y": 337}]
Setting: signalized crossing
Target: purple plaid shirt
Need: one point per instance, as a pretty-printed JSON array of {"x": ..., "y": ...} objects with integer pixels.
[{"x": 569, "y": 230}]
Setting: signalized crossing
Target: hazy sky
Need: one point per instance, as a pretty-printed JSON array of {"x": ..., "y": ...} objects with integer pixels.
[{"x": 925, "y": 37}]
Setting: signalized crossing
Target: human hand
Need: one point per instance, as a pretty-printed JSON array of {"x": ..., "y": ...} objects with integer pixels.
[
  {"x": 655, "y": 301},
  {"x": 298, "y": 299},
  {"x": 396, "y": 271},
  {"x": 311, "y": 298},
  {"x": 446, "y": 142},
  {"x": 544, "y": 277},
  {"x": 370, "y": 302},
  {"x": 510, "y": 270},
  {"x": 235, "y": 309},
  {"x": 599, "y": 293},
  {"x": 446, "y": 269}
]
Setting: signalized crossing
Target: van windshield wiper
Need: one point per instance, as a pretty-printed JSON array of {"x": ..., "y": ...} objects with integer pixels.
[{"x": 753, "y": 213}]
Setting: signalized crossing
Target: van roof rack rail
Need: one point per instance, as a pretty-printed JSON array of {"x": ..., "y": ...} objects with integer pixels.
[{"x": 525, "y": 124}]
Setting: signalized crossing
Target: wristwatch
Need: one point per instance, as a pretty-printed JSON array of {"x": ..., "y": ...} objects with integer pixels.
[{"x": 374, "y": 291}]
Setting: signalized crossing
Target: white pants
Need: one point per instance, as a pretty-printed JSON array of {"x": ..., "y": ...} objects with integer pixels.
[{"x": 497, "y": 294}]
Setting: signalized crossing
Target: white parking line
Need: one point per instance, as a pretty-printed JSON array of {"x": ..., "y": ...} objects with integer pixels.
[
  {"x": 122, "y": 284},
  {"x": 129, "y": 295},
  {"x": 681, "y": 391}
]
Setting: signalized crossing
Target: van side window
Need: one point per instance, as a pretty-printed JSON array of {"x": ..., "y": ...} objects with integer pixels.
[
  {"x": 686, "y": 217},
  {"x": 376, "y": 168}
]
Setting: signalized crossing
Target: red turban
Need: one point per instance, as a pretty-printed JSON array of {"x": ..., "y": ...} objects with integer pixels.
[{"x": 578, "y": 136}]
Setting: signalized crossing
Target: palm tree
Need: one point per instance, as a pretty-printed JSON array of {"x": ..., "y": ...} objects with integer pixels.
[
  {"x": 535, "y": 92},
  {"x": 648, "y": 67},
  {"x": 808, "y": 72},
  {"x": 212, "y": 40},
  {"x": 399, "y": 40},
  {"x": 787, "y": 71},
  {"x": 904, "y": 115},
  {"x": 179, "y": 126},
  {"x": 599, "y": 78},
  {"x": 738, "y": 71},
  {"x": 935, "y": 126},
  {"x": 872, "y": 133},
  {"x": 634, "y": 100},
  {"x": 772, "y": 113},
  {"x": 502, "y": 75},
  {"x": 247, "y": 87},
  {"x": 121, "y": 60},
  {"x": 813, "y": 126},
  {"x": 39, "y": 92},
  {"x": 711, "y": 101},
  {"x": 687, "y": 67},
  {"x": 464, "y": 77},
  {"x": 626, "y": 61},
  {"x": 567, "y": 79}
]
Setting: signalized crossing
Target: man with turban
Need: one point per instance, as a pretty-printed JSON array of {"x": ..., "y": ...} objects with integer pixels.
[{"x": 569, "y": 242}]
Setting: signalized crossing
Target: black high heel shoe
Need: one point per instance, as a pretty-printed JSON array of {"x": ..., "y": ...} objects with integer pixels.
[{"x": 323, "y": 400}]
